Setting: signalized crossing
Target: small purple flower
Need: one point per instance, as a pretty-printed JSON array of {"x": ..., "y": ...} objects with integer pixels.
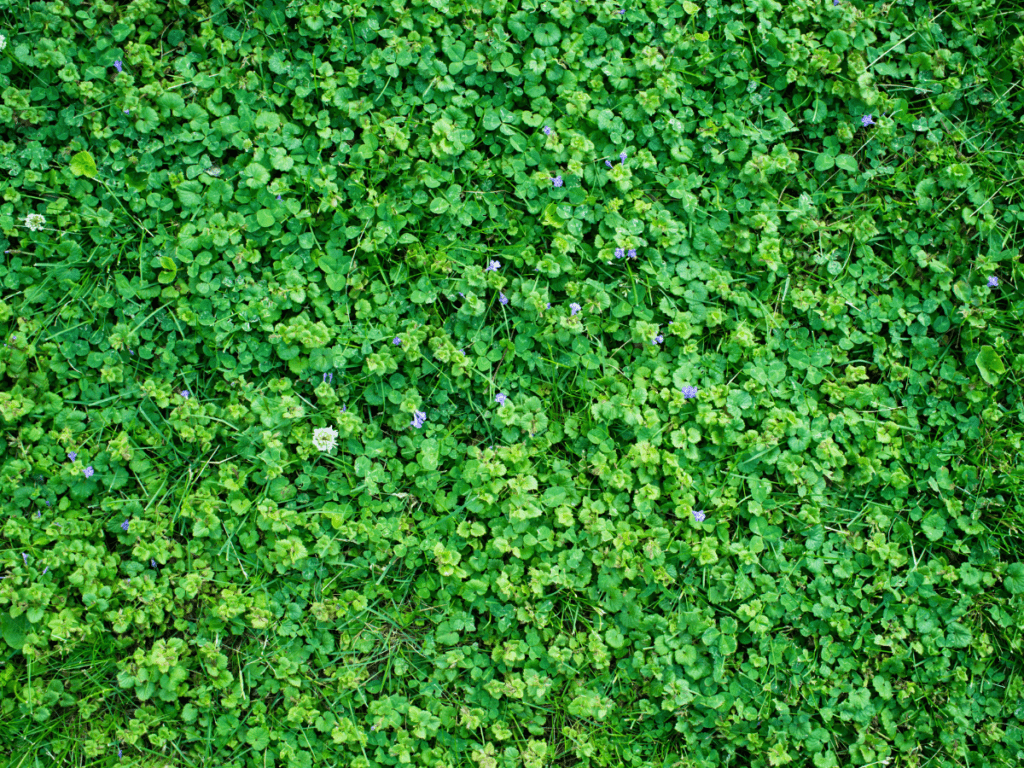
[
  {"x": 118, "y": 65},
  {"x": 608, "y": 163},
  {"x": 619, "y": 253},
  {"x": 47, "y": 503},
  {"x": 344, "y": 408},
  {"x": 278, "y": 197},
  {"x": 621, "y": 12},
  {"x": 835, "y": 2},
  {"x": 866, "y": 121},
  {"x": 699, "y": 515},
  {"x": 547, "y": 130},
  {"x": 325, "y": 378},
  {"x": 397, "y": 341},
  {"x": 124, "y": 526},
  {"x": 658, "y": 339},
  {"x": 503, "y": 299},
  {"x": 185, "y": 393},
  {"x": 549, "y": 305},
  {"x": 418, "y": 418},
  {"x": 993, "y": 281},
  {"x": 622, "y": 154},
  {"x": 689, "y": 392},
  {"x": 72, "y": 455},
  {"x": 575, "y": 308},
  {"x": 493, "y": 266},
  {"x": 152, "y": 563},
  {"x": 39, "y": 513},
  {"x": 632, "y": 253},
  {"x": 24, "y": 556},
  {"x": 45, "y": 570},
  {"x": 500, "y": 398},
  {"x": 126, "y": 111},
  {"x": 118, "y": 753},
  {"x": 88, "y": 471},
  {"x": 557, "y": 180}
]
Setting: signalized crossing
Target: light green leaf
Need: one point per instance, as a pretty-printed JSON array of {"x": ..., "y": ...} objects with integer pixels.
[
  {"x": 83, "y": 164},
  {"x": 824, "y": 162},
  {"x": 1014, "y": 579},
  {"x": 265, "y": 217},
  {"x": 990, "y": 365},
  {"x": 847, "y": 163}
]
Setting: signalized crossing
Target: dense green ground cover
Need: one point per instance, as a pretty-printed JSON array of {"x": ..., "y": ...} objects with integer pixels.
[{"x": 666, "y": 360}]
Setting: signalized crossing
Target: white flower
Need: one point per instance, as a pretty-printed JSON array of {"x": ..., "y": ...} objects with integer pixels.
[
  {"x": 35, "y": 221},
  {"x": 325, "y": 438},
  {"x": 3, "y": 42}
]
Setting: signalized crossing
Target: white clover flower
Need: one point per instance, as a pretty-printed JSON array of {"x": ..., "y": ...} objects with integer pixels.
[
  {"x": 35, "y": 221},
  {"x": 3, "y": 42},
  {"x": 325, "y": 438}
]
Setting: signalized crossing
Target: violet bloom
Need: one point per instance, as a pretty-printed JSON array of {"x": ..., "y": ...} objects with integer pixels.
[
  {"x": 124, "y": 526},
  {"x": 418, "y": 418},
  {"x": 993, "y": 281},
  {"x": 185, "y": 393},
  {"x": 503, "y": 299},
  {"x": 699, "y": 515},
  {"x": 549, "y": 305},
  {"x": 575, "y": 308},
  {"x": 689, "y": 392},
  {"x": 632, "y": 253},
  {"x": 278, "y": 197},
  {"x": 608, "y": 163},
  {"x": 835, "y": 2},
  {"x": 88, "y": 471},
  {"x": 396, "y": 341},
  {"x": 493, "y": 266},
  {"x": 24, "y": 556},
  {"x": 152, "y": 563},
  {"x": 72, "y": 455},
  {"x": 500, "y": 398},
  {"x": 866, "y": 121},
  {"x": 547, "y": 130},
  {"x": 658, "y": 339},
  {"x": 118, "y": 65},
  {"x": 622, "y": 156},
  {"x": 557, "y": 180},
  {"x": 619, "y": 253}
]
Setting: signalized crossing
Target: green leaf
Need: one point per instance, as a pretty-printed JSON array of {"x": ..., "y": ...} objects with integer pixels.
[
  {"x": 824, "y": 162},
  {"x": 265, "y": 217},
  {"x": 990, "y": 365},
  {"x": 934, "y": 527},
  {"x": 1014, "y": 579},
  {"x": 847, "y": 163},
  {"x": 14, "y": 630},
  {"x": 83, "y": 164}
]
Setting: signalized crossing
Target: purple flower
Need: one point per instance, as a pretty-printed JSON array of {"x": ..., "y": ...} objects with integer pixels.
[
  {"x": 88, "y": 471},
  {"x": 126, "y": 111},
  {"x": 557, "y": 180},
  {"x": 549, "y": 305},
  {"x": 124, "y": 526},
  {"x": 500, "y": 398},
  {"x": 547, "y": 130},
  {"x": 575, "y": 308},
  {"x": 396, "y": 341},
  {"x": 658, "y": 339},
  {"x": 152, "y": 563},
  {"x": 418, "y": 418},
  {"x": 993, "y": 281},
  {"x": 621, "y": 12},
  {"x": 619, "y": 253},
  {"x": 118, "y": 65},
  {"x": 72, "y": 455},
  {"x": 344, "y": 407},
  {"x": 493, "y": 266},
  {"x": 325, "y": 378},
  {"x": 608, "y": 163},
  {"x": 866, "y": 121},
  {"x": 699, "y": 514},
  {"x": 118, "y": 753},
  {"x": 185, "y": 393},
  {"x": 689, "y": 392},
  {"x": 45, "y": 570},
  {"x": 622, "y": 154},
  {"x": 24, "y": 556},
  {"x": 503, "y": 299},
  {"x": 278, "y": 197},
  {"x": 632, "y": 253},
  {"x": 835, "y": 2}
]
